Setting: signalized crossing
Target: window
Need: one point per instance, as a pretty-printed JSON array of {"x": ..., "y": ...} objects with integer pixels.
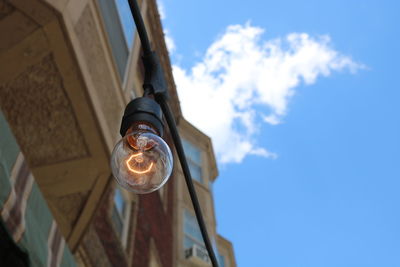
[
  {"x": 193, "y": 156},
  {"x": 120, "y": 28},
  {"x": 128, "y": 25},
  {"x": 192, "y": 233},
  {"x": 120, "y": 215},
  {"x": 221, "y": 260}
]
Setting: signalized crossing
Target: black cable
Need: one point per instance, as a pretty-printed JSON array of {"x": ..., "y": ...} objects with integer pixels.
[
  {"x": 188, "y": 178},
  {"x": 161, "y": 99},
  {"x": 137, "y": 16}
]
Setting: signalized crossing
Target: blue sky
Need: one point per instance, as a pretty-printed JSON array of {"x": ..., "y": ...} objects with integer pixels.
[{"x": 316, "y": 184}]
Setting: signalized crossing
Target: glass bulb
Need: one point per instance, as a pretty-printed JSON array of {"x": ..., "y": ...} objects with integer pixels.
[{"x": 141, "y": 161}]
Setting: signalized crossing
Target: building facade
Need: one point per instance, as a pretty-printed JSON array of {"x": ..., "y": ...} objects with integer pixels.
[{"x": 67, "y": 70}]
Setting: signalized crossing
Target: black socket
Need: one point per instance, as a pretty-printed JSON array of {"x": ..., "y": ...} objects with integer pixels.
[{"x": 142, "y": 109}]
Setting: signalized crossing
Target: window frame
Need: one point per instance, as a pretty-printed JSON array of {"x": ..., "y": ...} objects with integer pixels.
[
  {"x": 221, "y": 260},
  {"x": 196, "y": 241},
  {"x": 109, "y": 10},
  {"x": 191, "y": 162},
  {"x": 125, "y": 217},
  {"x": 120, "y": 16}
]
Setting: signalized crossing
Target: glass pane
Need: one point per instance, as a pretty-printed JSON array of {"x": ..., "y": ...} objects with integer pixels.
[
  {"x": 195, "y": 171},
  {"x": 221, "y": 260},
  {"x": 117, "y": 221},
  {"x": 116, "y": 34},
  {"x": 192, "y": 152},
  {"x": 191, "y": 227},
  {"x": 128, "y": 25},
  {"x": 8, "y": 146},
  {"x": 119, "y": 201},
  {"x": 188, "y": 242}
]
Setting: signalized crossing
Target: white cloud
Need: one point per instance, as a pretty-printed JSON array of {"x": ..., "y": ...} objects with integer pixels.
[
  {"x": 272, "y": 119},
  {"x": 169, "y": 41},
  {"x": 240, "y": 72},
  {"x": 161, "y": 9}
]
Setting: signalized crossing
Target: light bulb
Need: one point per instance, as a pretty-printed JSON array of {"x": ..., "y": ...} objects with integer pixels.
[{"x": 141, "y": 161}]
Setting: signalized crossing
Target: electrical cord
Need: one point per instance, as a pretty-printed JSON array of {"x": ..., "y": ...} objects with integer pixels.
[
  {"x": 141, "y": 28},
  {"x": 161, "y": 100},
  {"x": 188, "y": 178}
]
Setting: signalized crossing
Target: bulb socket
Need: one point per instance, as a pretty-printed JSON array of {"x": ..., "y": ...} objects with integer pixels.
[{"x": 142, "y": 109}]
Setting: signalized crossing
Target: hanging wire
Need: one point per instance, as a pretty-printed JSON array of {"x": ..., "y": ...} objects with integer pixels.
[
  {"x": 162, "y": 101},
  {"x": 141, "y": 28},
  {"x": 188, "y": 178}
]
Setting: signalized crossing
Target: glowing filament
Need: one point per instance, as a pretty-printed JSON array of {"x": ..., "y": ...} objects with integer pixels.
[{"x": 139, "y": 160}]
